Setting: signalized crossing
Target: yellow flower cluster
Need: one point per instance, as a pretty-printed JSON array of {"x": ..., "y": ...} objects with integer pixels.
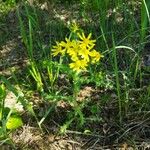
[{"x": 80, "y": 51}]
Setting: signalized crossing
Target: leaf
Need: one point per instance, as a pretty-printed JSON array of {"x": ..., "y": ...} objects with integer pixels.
[
  {"x": 2, "y": 92},
  {"x": 87, "y": 131},
  {"x": 63, "y": 128},
  {"x": 1, "y": 133},
  {"x": 14, "y": 122}
]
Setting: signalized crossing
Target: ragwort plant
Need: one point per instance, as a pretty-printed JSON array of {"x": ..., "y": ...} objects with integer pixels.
[{"x": 80, "y": 53}]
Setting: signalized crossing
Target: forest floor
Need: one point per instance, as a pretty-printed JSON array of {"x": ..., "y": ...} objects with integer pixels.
[{"x": 108, "y": 134}]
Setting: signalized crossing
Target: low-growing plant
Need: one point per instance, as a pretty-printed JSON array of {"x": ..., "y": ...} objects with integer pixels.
[
  {"x": 80, "y": 51},
  {"x": 7, "y": 5},
  {"x": 77, "y": 51},
  {"x": 10, "y": 118}
]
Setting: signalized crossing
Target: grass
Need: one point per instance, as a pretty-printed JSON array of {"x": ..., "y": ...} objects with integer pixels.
[{"x": 109, "y": 101}]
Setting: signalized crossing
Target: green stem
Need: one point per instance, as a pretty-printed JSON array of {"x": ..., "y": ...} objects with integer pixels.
[
  {"x": 117, "y": 80},
  {"x": 75, "y": 86}
]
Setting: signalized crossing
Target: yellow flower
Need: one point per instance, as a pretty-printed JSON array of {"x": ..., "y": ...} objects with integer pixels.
[
  {"x": 66, "y": 45},
  {"x": 86, "y": 42},
  {"x": 58, "y": 49},
  {"x": 79, "y": 51},
  {"x": 84, "y": 53},
  {"x": 95, "y": 56},
  {"x": 74, "y": 27},
  {"x": 78, "y": 65},
  {"x": 73, "y": 51}
]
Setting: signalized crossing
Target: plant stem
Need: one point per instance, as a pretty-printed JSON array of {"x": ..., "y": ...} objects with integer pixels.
[
  {"x": 117, "y": 80},
  {"x": 75, "y": 85}
]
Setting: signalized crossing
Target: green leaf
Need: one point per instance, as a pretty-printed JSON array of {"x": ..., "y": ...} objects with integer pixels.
[
  {"x": 94, "y": 109},
  {"x": 63, "y": 128},
  {"x": 2, "y": 92},
  {"x": 1, "y": 132},
  {"x": 14, "y": 122},
  {"x": 87, "y": 131}
]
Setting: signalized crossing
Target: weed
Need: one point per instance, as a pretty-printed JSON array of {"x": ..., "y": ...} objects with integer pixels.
[
  {"x": 67, "y": 69},
  {"x": 9, "y": 117}
]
